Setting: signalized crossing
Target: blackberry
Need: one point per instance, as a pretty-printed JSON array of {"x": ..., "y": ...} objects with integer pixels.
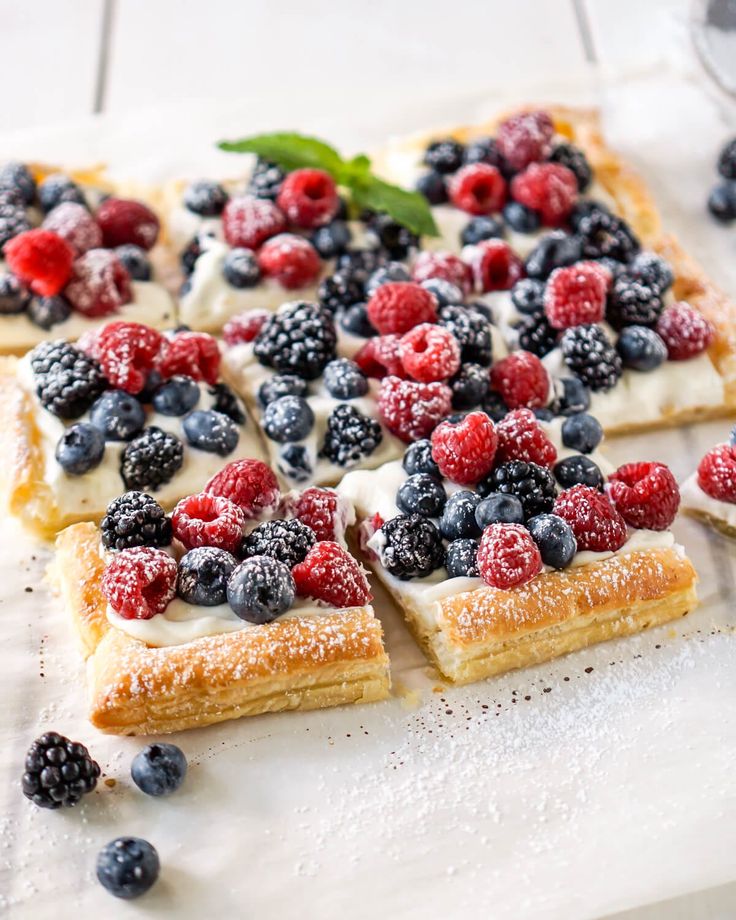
[
  {"x": 17, "y": 176},
  {"x": 339, "y": 290},
  {"x": 590, "y": 355},
  {"x": 265, "y": 182},
  {"x": 554, "y": 250},
  {"x": 225, "y": 401},
  {"x": 444, "y": 156},
  {"x": 652, "y": 270},
  {"x": 573, "y": 157},
  {"x": 494, "y": 406},
  {"x": 135, "y": 519},
  {"x": 395, "y": 238},
  {"x": 205, "y": 198},
  {"x": 300, "y": 339},
  {"x": 151, "y": 460},
  {"x": 432, "y": 186},
  {"x": 527, "y": 295},
  {"x": 67, "y": 380},
  {"x": 287, "y": 541},
  {"x": 605, "y": 234},
  {"x": 532, "y": 484},
  {"x": 469, "y": 386},
  {"x": 727, "y": 160},
  {"x": 536, "y": 335},
  {"x": 350, "y": 436},
  {"x": 58, "y": 771},
  {"x": 633, "y": 303},
  {"x": 13, "y": 219},
  {"x": 418, "y": 459},
  {"x": 413, "y": 547},
  {"x": 472, "y": 330}
]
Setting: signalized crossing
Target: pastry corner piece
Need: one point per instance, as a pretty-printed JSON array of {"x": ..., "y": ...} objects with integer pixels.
[{"x": 709, "y": 493}]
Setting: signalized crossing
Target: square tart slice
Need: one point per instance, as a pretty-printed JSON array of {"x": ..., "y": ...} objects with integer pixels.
[{"x": 709, "y": 493}]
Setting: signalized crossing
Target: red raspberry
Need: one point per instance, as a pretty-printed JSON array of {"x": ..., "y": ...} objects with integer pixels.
[
  {"x": 576, "y": 294},
  {"x": 521, "y": 437},
  {"x": 495, "y": 266},
  {"x": 549, "y": 188},
  {"x": 250, "y": 484},
  {"x": 444, "y": 265},
  {"x": 380, "y": 358},
  {"x": 208, "y": 520},
  {"x": 99, "y": 284},
  {"x": 290, "y": 259},
  {"x": 74, "y": 223},
  {"x": 140, "y": 582},
  {"x": 477, "y": 188},
  {"x": 42, "y": 259},
  {"x": 330, "y": 574},
  {"x": 248, "y": 221},
  {"x": 244, "y": 327},
  {"x": 685, "y": 332},
  {"x": 645, "y": 494},
  {"x": 411, "y": 410},
  {"x": 399, "y": 306},
  {"x": 127, "y": 352},
  {"x": 192, "y": 353},
  {"x": 717, "y": 473},
  {"x": 522, "y": 380},
  {"x": 465, "y": 450},
  {"x": 525, "y": 138},
  {"x": 508, "y": 556},
  {"x": 596, "y": 524},
  {"x": 429, "y": 352},
  {"x": 367, "y": 529},
  {"x": 126, "y": 221},
  {"x": 309, "y": 198},
  {"x": 326, "y": 512}
]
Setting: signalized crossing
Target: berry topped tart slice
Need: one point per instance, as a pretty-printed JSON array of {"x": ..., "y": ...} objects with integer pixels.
[
  {"x": 243, "y": 601},
  {"x": 126, "y": 407},
  {"x": 511, "y": 543},
  {"x": 710, "y": 492},
  {"x": 72, "y": 257}
]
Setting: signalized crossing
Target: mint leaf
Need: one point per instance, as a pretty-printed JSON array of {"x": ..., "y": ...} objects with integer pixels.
[
  {"x": 408, "y": 208},
  {"x": 290, "y": 151}
]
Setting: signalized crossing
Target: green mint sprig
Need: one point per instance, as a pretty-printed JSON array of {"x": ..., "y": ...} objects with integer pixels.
[{"x": 296, "y": 151}]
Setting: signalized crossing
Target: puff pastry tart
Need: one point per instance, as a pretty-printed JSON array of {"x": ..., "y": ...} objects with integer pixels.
[
  {"x": 127, "y": 407},
  {"x": 243, "y": 602},
  {"x": 507, "y": 545},
  {"x": 710, "y": 492},
  {"x": 74, "y": 256}
]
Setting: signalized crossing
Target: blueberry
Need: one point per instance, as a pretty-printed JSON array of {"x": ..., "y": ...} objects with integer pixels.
[
  {"x": 127, "y": 867},
  {"x": 581, "y": 432},
  {"x": 295, "y": 463},
  {"x": 543, "y": 414},
  {"x": 203, "y": 575},
  {"x": 189, "y": 255},
  {"x": 732, "y": 436},
  {"x": 520, "y": 218},
  {"x": 153, "y": 382},
  {"x": 211, "y": 431},
  {"x": 135, "y": 261},
  {"x": 554, "y": 250},
  {"x": 469, "y": 386},
  {"x": 461, "y": 559},
  {"x": 641, "y": 348},
  {"x": 494, "y": 406},
  {"x": 80, "y": 449},
  {"x": 485, "y": 150},
  {"x": 458, "y": 519},
  {"x": 432, "y": 185},
  {"x": 240, "y": 268},
  {"x": 358, "y": 264},
  {"x": 118, "y": 415},
  {"x": 481, "y": 228},
  {"x": 354, "y": 319},
  {"x": 344, "y": 379},
  {"x": 47, "y": 312},
  {"x": 288, "y": 418},
  {"x": 527, "y": 295},
  {"x": 55, "y": 189},
  {"x": 205, "y": 198},
  {"x": 281, "y": 385},
  {"x": 17, "y": 176},
  {"x": 444, "y": 156},
  {"x": 555, "y": 539},
  {"x": 331, "y": 239},
  {"x": 421, "y": 494},
  {"x": 499, "y": 508},
  {"x": 260, "y": 589},
  {"x": 578, "y": 470},
  {"x": 418, "y": 459},
  {"x": 391, "y": 271},
  {"x": 177, "y": 396},
  {"x": 159, "y": 769},
  {"x": 572, "y": 396},
  {"x": 390, "y": 235},
  {"x": 445, "y": 292},
  {"x": 14, "y": 296},
  {"x": 722, "y": 202}
]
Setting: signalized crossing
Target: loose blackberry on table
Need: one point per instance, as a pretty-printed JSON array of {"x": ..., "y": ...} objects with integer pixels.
[
  {"x": 135, "y": 519},
  {"x": 58, "y": 772},
  {"x": 350, "y": 437}
]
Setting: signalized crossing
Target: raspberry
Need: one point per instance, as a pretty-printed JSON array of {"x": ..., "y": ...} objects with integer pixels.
[
  {"x": 126, "y": 221},
  {"x": 464, "y": 451},
  {"x": 250, "y": 484},
  {"x": 717, "y": 473},
  {"x": 525, "y": 138},
  {"x": 248, "y": 221},
  {"x": 42, "y": 259},
  {"x": 645, "y": 494},
  {"x": 444, "y": 265},
  {"x": 208, "y": 520},
  {"x": 508, "y": 556},
  {"x": 522, "y": 380},
  {"x": 399, "y": 306},
  {"x": 139, "y": 582},
  {"x": 685, "y": 332},
  {"x": 495, "y": 266},
  {"x": 379, "y": 357},
  {"x": 411, "y": 410},
  {"x": 99, "y": 285},
  {"x": 477, "y": 188},
  {"x": 549, "y": 188},
  {"x": 521, "y": 437},
  {"x": 74, "y": 223},
  {"x": 597, "y": 525},
  {"x": 429, "y": 352},
  {"x": 194, "y": 354},
  {"x": 330, "y": 574},
  {"x": 308, "y": 198},
  {"x": 326, "y": 512},
  {"x": 244, "y": 327},
  {"x": 127, "y": 352},
  {"x": 290, "y": 259},
  {"x": 576, "y": 294}
]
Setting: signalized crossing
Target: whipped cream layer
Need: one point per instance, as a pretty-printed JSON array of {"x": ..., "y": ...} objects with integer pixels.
[{"x": 693, "y": 498}]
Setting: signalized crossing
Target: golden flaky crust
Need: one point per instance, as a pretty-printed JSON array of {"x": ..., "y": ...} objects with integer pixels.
[
  {"x": 293, "y": 663},
  {"x": 711, "y": 520}
]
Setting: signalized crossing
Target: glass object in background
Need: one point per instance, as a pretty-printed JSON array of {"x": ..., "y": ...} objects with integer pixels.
[{"x": 713, "y": 29}]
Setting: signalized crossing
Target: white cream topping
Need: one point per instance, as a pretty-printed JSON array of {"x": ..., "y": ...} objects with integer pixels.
[{"x": 694, "y": 498}]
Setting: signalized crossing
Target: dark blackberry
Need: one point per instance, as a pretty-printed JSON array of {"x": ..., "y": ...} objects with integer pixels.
[
  {"x": 494, "y": 406},
  {"x": 469, "y": 386},
  {"x": 418, "y": 459},
  {"x": 590, "y": 355},
  {"x": 527, "y": 295},
  {"x": 265, "y": 182},
  {"x": 56, "y": 189},
  {"x": 536, "y": 335},
  {"x": 67, "y": 380},
  {"x": 573, "y": 157},
  {"x": 432, "y": 185},
  {"x": 225, "y": 401},
  {"x": 135, "y": 519},
  {"x": 14, "y": 295},
  {"x": 395, "y": 238},
  {"x": 350, "y": 436},
  {"x": 412, "y": 548},
  {"x": 532, "y": 484},
  {"x": 17, "y": 176},
  {"x": 151, "y": 460},
  {"x": 605, "y": 234},
  {"x": 633, "y": 303},
  {"x": 727, "y": 160},
  {"x": 472, "y": 330},
  {"x": 339, "y": 290},
  {"x": 444, "y": 156},
  {"x": 300, "y": 339},
  {"x": 13, "y": 220},
  {"x": 205, "y": 198},
  {"x": 554, "y": 250},
  {"x": 58, "y": 772},
  {"x": 652, "y": 270},
  {"x": 287, "y": 541}
]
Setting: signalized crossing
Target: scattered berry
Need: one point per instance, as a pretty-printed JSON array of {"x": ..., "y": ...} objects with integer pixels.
[
  {"x": 248, "y": 222},
  {"x": 589, "y": 354},
  {"x": 399, "y": 306},
  {"x": 535, "y": 335},
  {"x": 527, "y": 296},
  {"x": 159, "y": 769},
  {"x": 299, "y": 339},
  {"x": 135, "y": 519},
  {"x": 40, "y": 258},
  {"x": 717, "y": 473},
  {"x": 240, "y": 268},
  {"x": 339, "y": 290},
  {"x": 525, "y": 138},
  {"x": 350, "y": 436},
  {"x": 260, "y": 589},
  {"x": 308, "y": 198},
  {"x": 390, "y": 271},
  {"x": 58, "y": 772},
  {"x": 684, "y": 331},
  {"x": 576, "y": 294},
  {"x": 722, "y": 202},
  {"x": 652, "y": 270},
  {"x": 99, "y": 285},
  {"x": 329, "y": 573},
  {"x": 412, "y": 547},
  {"x": 203, "y": 576},
  {"x": 266, "y": 180},
  {"x": 477, "y": 189},
  {"x": 208, "y": 520},
  {"x": 13, "y": 219},
  {"x": 127, "y": 867},
  {"x": 645, "y": 494},
  {"x": 549, "y": 188},
  {"x": 244, "y": 327},
  {"x": 507, "y": 556},
  {"x": 464, "y": 451},
  {"x": 520, "y": 218},
  {"x": 597, "y": 525},
  {"x": 281, "y": 385},
  {"x": 520, "y": 437},
  {"x": 127, "y": 353},
  {"x": 432, "y": 185},
  {"x": 17, "y": 177},
  {"x": 495, "y": 265},
  {"x": 139, "y": 582},
  {"x": 522, "y": 380},
  {"x": 554, "y": 538},
  {"x": 290, "y": 259},
  {"x": 47, "y": 312},
  {"x": 126, "y": 221},
  {"x": 571, "y": 396},
  {"x": 151, "y": 459},
  {"x": 604, "y": 235},
  {"x": 14, "y": 296}
]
